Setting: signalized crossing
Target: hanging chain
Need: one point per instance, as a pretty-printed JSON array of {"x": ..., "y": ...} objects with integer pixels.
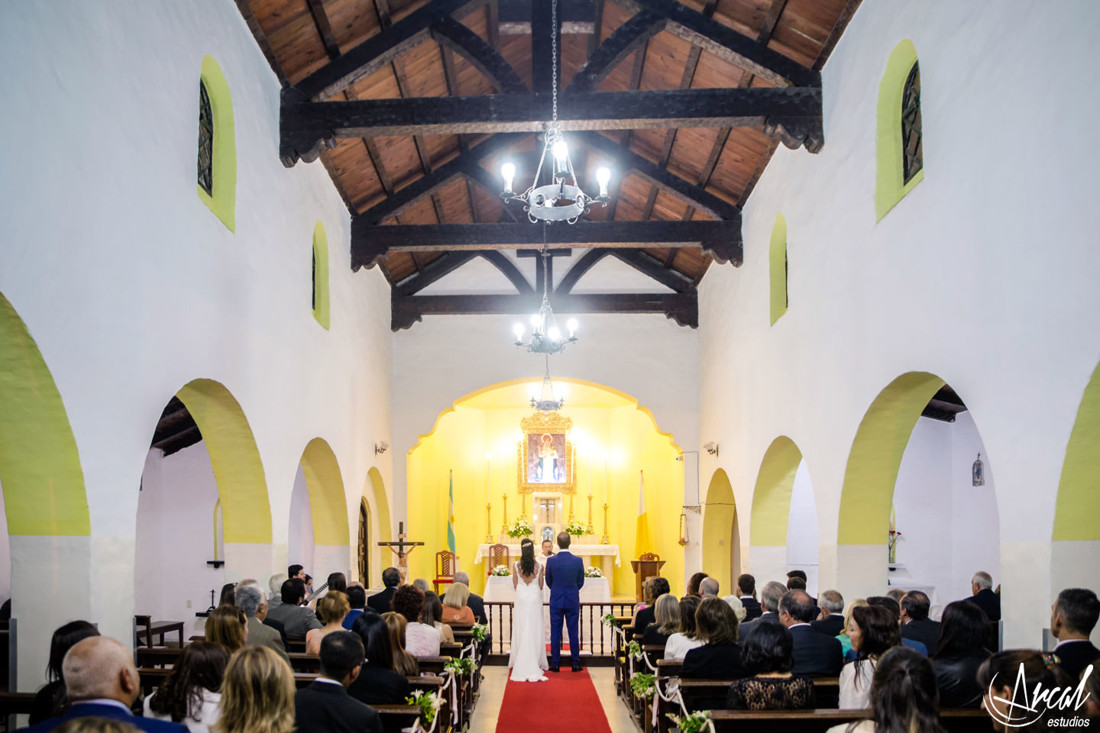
[{"x": 554, "y": 55}]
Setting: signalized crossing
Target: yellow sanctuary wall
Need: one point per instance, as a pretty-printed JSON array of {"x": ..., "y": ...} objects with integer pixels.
[{"x": 606, "y": 425}]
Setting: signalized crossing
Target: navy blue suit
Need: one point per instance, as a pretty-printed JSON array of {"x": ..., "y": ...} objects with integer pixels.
[
  {"x": 565, "y": 576},
  {"x": 82, "y": 709}
]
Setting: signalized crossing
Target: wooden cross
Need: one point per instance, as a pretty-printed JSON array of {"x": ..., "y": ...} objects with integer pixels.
[{"x": 401, "y": 548}]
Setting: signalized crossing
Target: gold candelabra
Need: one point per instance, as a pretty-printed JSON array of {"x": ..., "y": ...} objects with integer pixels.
[
  {"x": 570, "y": 507},
  {"x": 488, "y": 523},
  {"x": 589, "y": 529},
  {"x": 606, "y": 539},
  {"x": 504, "y": 518}
]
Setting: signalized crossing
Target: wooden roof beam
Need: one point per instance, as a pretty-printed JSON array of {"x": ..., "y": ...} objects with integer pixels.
[
  {"x": 719, "y": 239},
  {"x": 455, "y": 36},
  {"x": 683, "y": 308},
  {"x": 632, "y": 35},
  {"x": 653, "y": 268},
  {"x": 576, "y": 16},
  {"x": 579, "y": 269}
]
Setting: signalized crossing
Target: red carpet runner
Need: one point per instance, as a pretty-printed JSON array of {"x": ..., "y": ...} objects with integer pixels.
[{"x": 568, "y": 702}]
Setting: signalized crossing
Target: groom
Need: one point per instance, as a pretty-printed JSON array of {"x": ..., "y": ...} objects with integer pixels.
[{"x": 565, "y": 576}]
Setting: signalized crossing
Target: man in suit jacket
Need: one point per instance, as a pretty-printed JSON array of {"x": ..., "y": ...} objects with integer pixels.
[
  {"x": 815, "y": 654},
  {"x": 770, "y": 594},
  {"x": 565, "y": 576},
  {"x": 251, "y": 600},
  {"x": 915, "y": 623},
  {"x": 325, "y": 706},
  {"x": 391, "y": 578},
  {"x": 102, "y": 682},
  {"x": 296, "y": 619},
  {"x": 475, "y": 602},
  {"x": 831, "y": 619},
  {"x": 746, "y": 591},
  {"x": 981, "y": 585},
  {"x": 1072, "y": 619}
]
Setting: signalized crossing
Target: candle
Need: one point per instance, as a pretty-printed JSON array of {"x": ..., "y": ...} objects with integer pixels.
[
  {"x": 590, "y": 478},
  {"x": 605, "y": 481},
  {"x": 488, "y": 478}
]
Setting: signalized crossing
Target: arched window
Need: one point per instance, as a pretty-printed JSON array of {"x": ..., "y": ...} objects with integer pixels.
[
  {"x": 778, "y": 268},
  {"x": 899, "y": 135},
  {"x": 217, "y": 154},
  {"x": 320, "y": 275}
]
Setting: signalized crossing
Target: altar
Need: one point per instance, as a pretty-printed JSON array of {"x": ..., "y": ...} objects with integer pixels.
[
  {"x": 600, "y": 556},
  {"x": 498, "y": 589}
]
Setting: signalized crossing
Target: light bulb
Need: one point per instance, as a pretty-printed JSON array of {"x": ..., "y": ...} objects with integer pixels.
[
  {"x": 572, "y": 326},
  {"x": 535, "y": 323},
  {"x": 560, "y": 151},
  {"x": 554, "y": 334},
  {"x": 603, "y": 175},
  {"x": 508, "y": 172},
  {"x": 518, "y": 331}
]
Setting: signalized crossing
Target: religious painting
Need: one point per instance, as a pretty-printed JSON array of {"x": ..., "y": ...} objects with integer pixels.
[{"x": 546, "y": 454}]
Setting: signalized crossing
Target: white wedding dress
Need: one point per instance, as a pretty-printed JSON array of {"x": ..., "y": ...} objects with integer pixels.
[{"x": 527, "y": 658}]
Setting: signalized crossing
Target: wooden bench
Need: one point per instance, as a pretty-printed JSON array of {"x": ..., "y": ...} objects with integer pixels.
[
  {"x": 818, "y": 721},
  {"x": 696, "y": 693},
  {"x": 396, "y": 718},
  {"x": 167, "y": 656},
  {"x": 144, "y": 625},
  {"x": 450, "y": 650}
]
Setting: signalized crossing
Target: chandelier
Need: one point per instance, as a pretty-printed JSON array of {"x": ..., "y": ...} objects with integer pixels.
[
  {"x": 545, "y": 401},
  {"x": 546, "y": 337},
  {"x": 560, "y": 197}
]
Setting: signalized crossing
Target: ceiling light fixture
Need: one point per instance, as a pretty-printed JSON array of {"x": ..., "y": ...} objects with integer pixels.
[
  {"x": 561, "y": 198},
  {"x": 545, "y": 401},
  {"x": 546, "y": 337}
]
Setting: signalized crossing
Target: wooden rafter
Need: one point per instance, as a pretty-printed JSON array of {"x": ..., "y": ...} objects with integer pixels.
[
  {"x": 324, "y": 27},
  {"x": 587, "y": 261},
  {"x": 455, "y": 36},
  {"x": 628, "y": 38}
]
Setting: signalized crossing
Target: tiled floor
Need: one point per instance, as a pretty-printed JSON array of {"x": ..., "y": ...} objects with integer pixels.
[{"x": 492, "y": 694}]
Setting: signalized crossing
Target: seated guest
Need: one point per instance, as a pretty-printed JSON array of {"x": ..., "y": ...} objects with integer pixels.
[
  {"x": 830, "y": 620},
  {"x": 422, "y": 585},
  {"x": 693, "y": 584},
  {"x": 873, "y": 631},
  {"x": 455, "y": 609},
  {"x": 331, "y": 610},
  {"x": 844, "y": 637},
  {"x": 667, "y": 612},
  {"x": 961, "y": 651},
  {"x": 337, "y": 581},
  {"x": 815, "y": 654},
  {"x": 897, "y": 594},
  {"x": 257, "y": 693},
  {"x": 719, "y": 658},
  {"x": 646, "y": 614},
  {"x": 191, "y": 694},
  {"x": 738, "y": 608},
  {"x": 325, "y": 706},
  {"x": 915, "y": 623},
  {"x": 432, "y": 615},
  {"x": 981, "y": 586},
  {"x": 746, "y": 591},
  {"x": 227, "y": 625},
  {"x": 685, "y": 639},
  {"x": 1005, "y": 667},
  {"x": 475, "y": 602},
  {"x": 403, "y": 662},
  {"x": 1072, "y": 618},
  {"x": 895, "y": 610},
  {"x": 378, "y": 683},
  {"x": 250, "y": 599},
  {"x": 380, "y": 602},
  {"x": 297, "y": 621},
  {"x": 420, "y": 640},
  {"x": 229, "y": 590},
  {"x": 357, "y": 601},
  {"x": 275, "y": 585},
  {"x": 766, "y": 656},
  {"x": 51, "y": 701},
  {"x": 708, "y": 588},
  {"x": 769, "y": 601},
  {"x": 102, "y": 682},
  {"x": 903, "y": 695}
]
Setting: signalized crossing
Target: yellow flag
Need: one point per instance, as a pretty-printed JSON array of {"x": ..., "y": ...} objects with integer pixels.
[{"x": 643, "y": 541}]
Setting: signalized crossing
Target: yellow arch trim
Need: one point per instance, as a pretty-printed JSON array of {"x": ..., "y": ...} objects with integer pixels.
[
  {"x": 380, "y": 503},
  {"x": 771, "y": 499},
  {"x": 1078, "y": 503},
  {"x": 889, "y": 185},
  {"x": 326, "y": 494},
  {"x": 777, "y": 267},
  {"x": 718, "y": 522},
  {"x": 875, "y": 458},
  {"x": 242, "y": 488},
  {"x": 39, "y": 462},
  {"x": 224, "y": 162},
  {"x": 320, "y": 257},
  {"x": 564, "y": 380}
]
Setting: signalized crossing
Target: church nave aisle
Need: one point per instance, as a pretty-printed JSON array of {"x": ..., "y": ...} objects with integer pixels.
[{"x": 568, "y": 702}]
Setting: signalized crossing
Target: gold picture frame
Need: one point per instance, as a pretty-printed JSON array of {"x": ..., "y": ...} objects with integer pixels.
[{"x": 546, "y": 456}]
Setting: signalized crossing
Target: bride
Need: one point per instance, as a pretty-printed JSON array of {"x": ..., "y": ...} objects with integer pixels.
[{"x": 527, "y": 658}]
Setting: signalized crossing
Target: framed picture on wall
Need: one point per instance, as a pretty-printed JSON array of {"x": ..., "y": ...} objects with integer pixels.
[{"x": 546, "y": 455}]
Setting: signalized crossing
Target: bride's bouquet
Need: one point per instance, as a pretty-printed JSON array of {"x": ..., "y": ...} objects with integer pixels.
[
  {"x": 593, "y": 572},
  {"x": 574, "y": 528},
  {"x": 500, "y": 571},
  {"x": 520, "y": 528}
]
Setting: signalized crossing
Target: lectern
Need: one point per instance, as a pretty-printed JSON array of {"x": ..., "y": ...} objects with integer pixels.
[{"x": 644, "y": 567}]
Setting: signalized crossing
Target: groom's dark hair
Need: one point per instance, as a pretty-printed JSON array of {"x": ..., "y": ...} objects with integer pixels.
[{"x": 563, "y": 540}]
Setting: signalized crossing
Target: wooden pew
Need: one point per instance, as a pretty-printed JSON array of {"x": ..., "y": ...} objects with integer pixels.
[
  {"x": 643, "y": 708},
  {"x": 396, "y": 718},
  {"x": 167, "y": 656},
  {"x": 695, "y": 693},
  {"x": 145, "y": 626},
  {"x": 818, "y": 721},
  {"x": 450, "y": 650},
  {"x": 431, "y": 665}
]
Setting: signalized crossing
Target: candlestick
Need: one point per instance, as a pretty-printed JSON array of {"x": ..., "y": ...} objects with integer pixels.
[
  {"x": 606, "y": 539},
  {"x": 605, "y": 481},
  {"x": 571, "y": 507},
  {"x": 488, "y": 523},
  {"x": 504, "y": 516},
  {"x": 589, "y": 529},
  {"x": 488, "y": 477}
]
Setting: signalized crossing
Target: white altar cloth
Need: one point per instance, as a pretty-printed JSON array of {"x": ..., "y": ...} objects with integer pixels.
[
  {"x": 584, "y": 551},
  {"x": 498, "y": 589}
]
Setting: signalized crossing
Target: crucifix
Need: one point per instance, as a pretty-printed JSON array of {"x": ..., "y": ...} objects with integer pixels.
[{"x": 401, "y": 548}]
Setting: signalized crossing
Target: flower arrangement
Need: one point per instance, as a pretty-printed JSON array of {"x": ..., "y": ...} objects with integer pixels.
[
  {"x": 634, "y": 650},
  {"x": 429, "y": 704},
  {"x": 574, "y": 528},
  {"x": 643, "y": 685},
  {"x": 460, "y": 666},
  {"x": 692, "y": 723},
  {"x": 520, "y": 528},
  {"x": 479, "y": 632},
  {"x": 593, "y": 572},
  {"x": 501, "y": 571},
  {"x": 893, "y": 545},
  {"x": 609, "y": 620}
]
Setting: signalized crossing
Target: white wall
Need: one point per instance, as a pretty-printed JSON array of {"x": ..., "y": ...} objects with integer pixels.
[
  {"x": 131, "y": 287},
  {"x": 5, "y": 552},
  {"x": 300, "y": 542},
  {"x": 802, "y": 534},
  {"x": 984, "y": 275}
]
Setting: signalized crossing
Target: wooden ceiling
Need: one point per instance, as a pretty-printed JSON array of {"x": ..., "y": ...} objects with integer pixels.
[{"x": 412, "y": 106}]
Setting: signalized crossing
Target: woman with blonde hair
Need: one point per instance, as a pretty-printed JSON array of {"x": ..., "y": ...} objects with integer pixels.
[
  {"x": 455, "y": 609},
  {"x": 844, "y": 637},
  {"x": 228, "y": 626},
  {"x": 257, "y": 693},
  {"x": 667, "y": 623},
  {"x": 331, "y": 610},
  {"x": 403, "y": 662}
]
